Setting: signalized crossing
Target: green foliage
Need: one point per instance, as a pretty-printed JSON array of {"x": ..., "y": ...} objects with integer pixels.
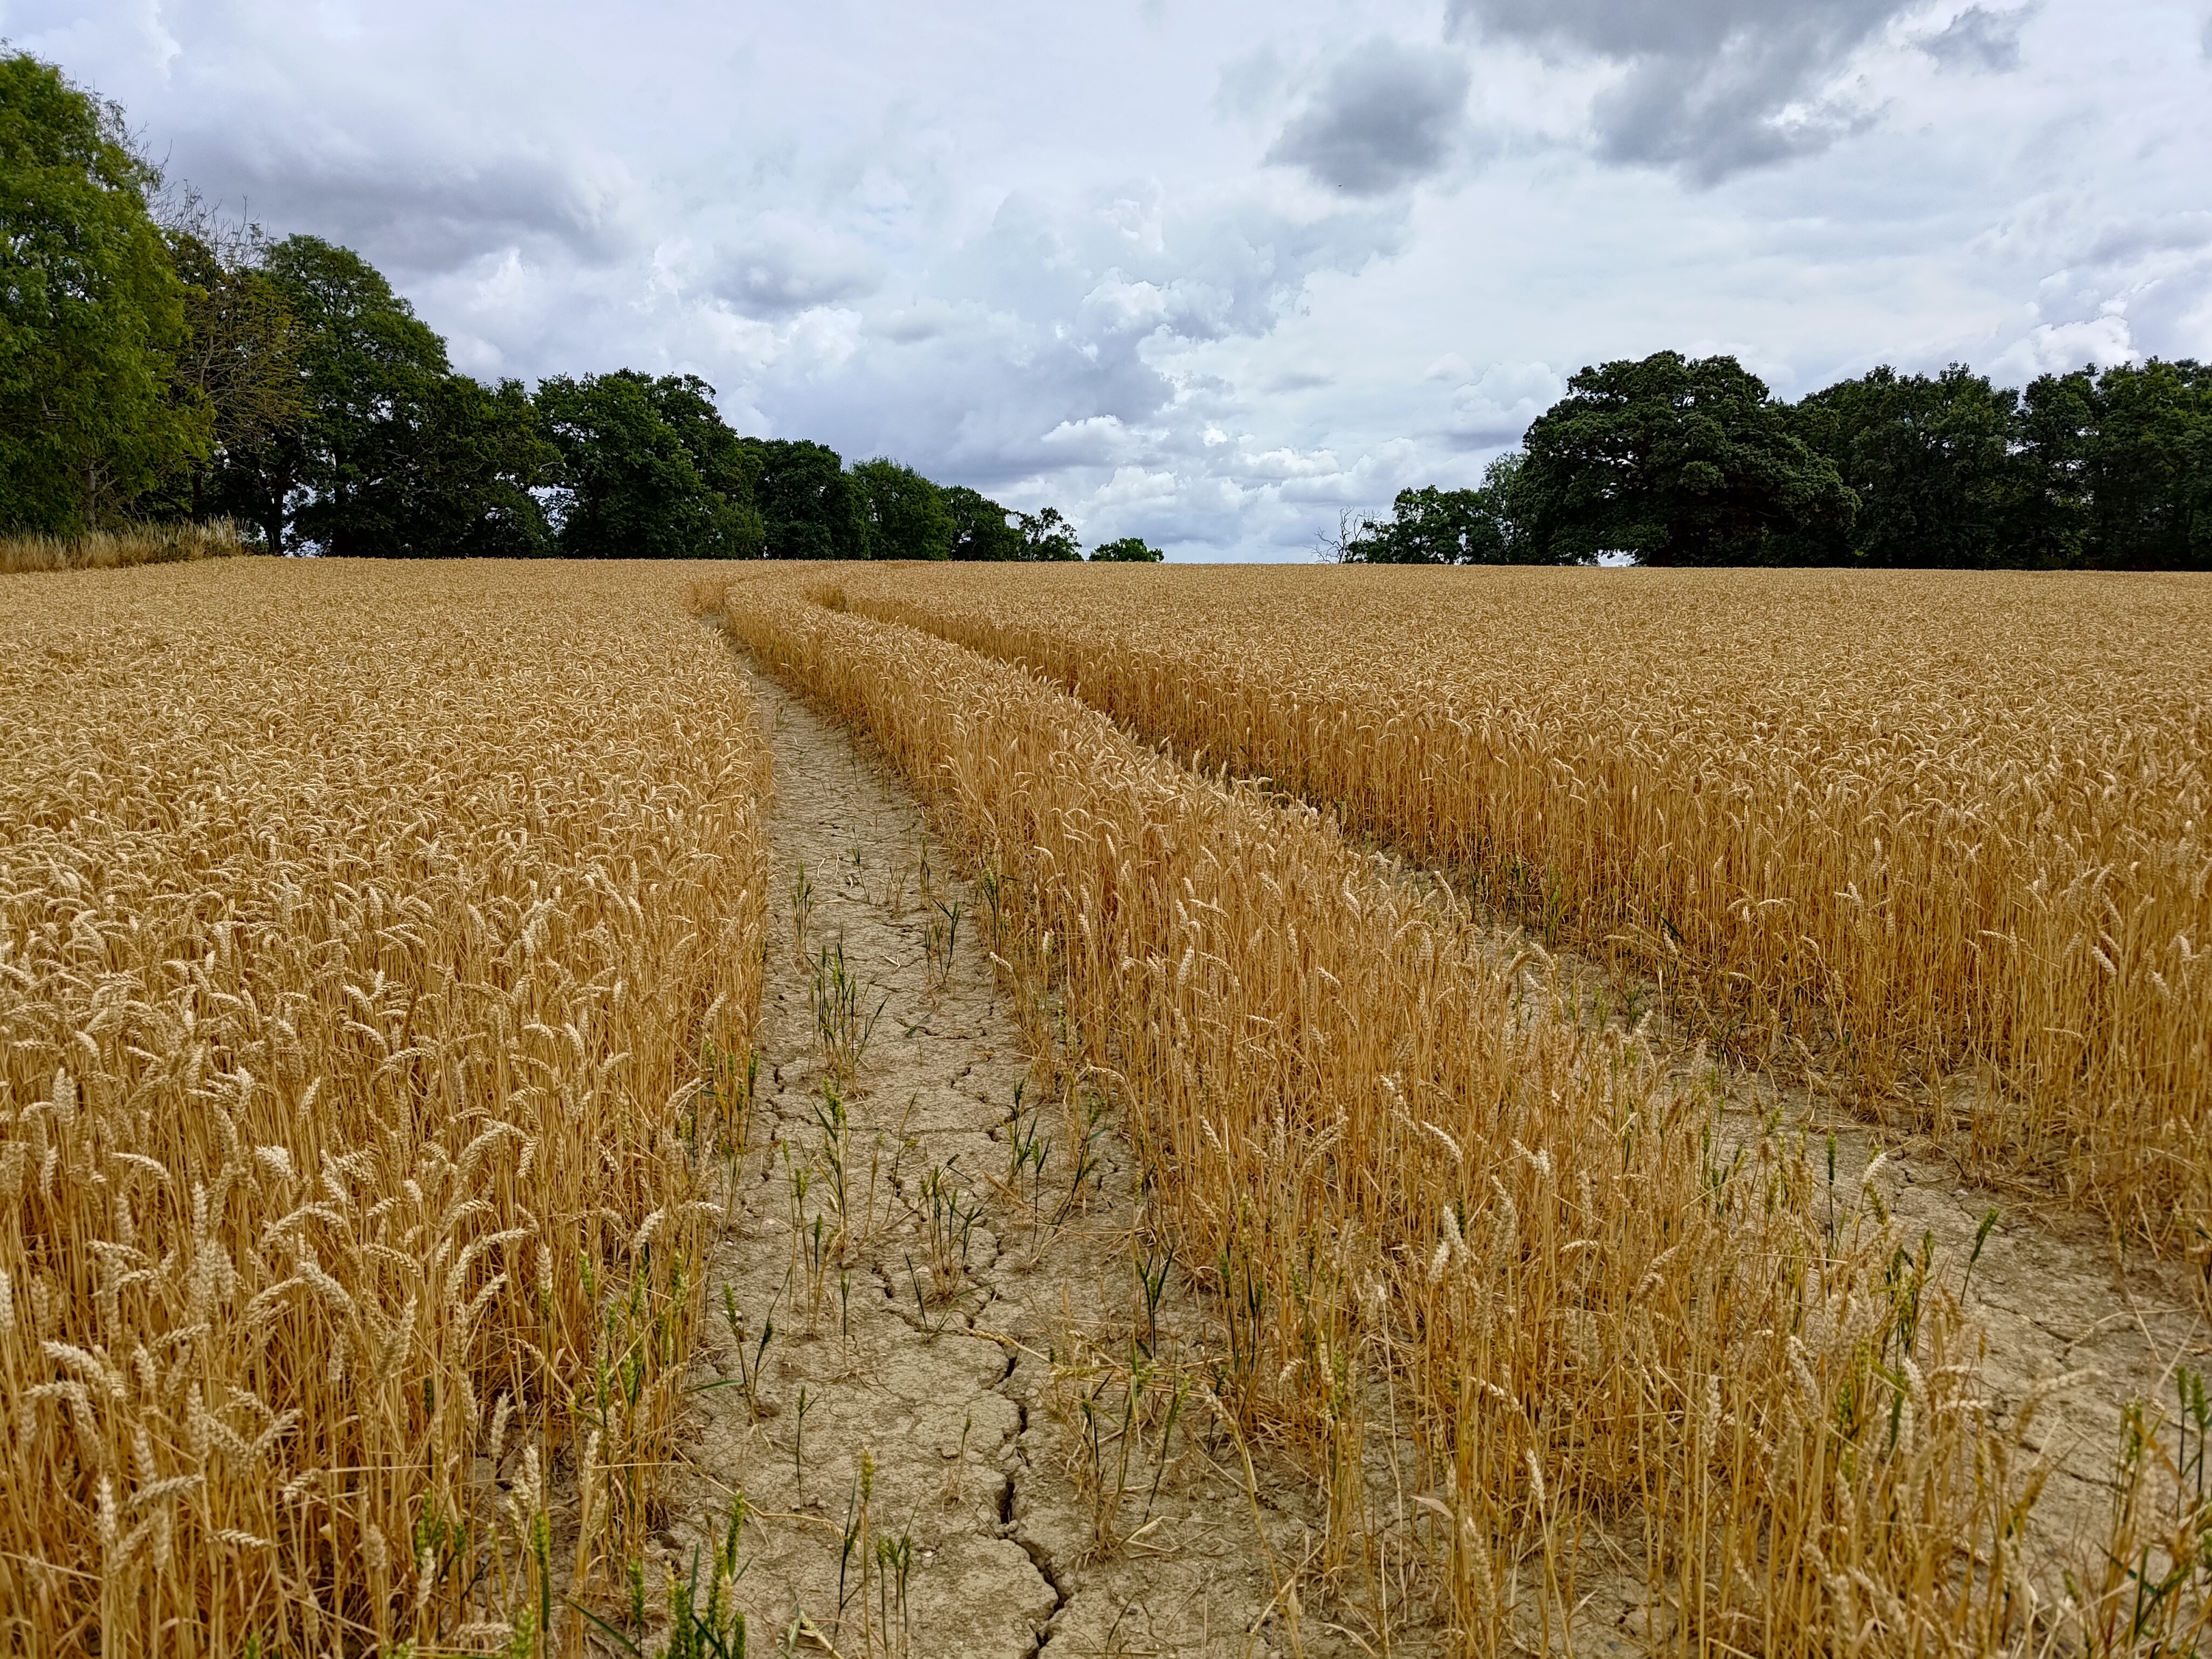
[
  {"x": 809, "y": 506},
  {"x": 905, "y": 514},
  {"x": 2052, "y": 424},
  {"x": 92, "y": 314},
  {"x": 1678, "y": 462},
  {"x": 1047, "y": 538},
  {"x": 2146, "y": 468},
  {"x": 1129, "y": 549},
  {"x": 646, "y": 470},
  {"x": 1928, "y": 459},
  {"x": 366, "y": 362},
  {"x": 1429, "y": 525},
  {"x": 450, "y": 474},
  {"x": 2110, "y": 470},
  {"x": 979, "y": 530},
  {"x": 241, "y": 357},
  {"x": 386, "y": 453}
]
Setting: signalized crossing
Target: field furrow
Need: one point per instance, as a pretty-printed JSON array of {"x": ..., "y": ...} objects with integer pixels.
[
  {"x": 1938, "y": 838},
  {"x": 1644, "y": 1366}
]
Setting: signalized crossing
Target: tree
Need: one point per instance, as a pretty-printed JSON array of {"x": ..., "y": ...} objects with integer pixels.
[
  {"x": 1675, "y": 462},
  {"x": 644, "y": 471},
  {"x": 1045, "y": 537},
  {"x": 241, "y": 358},
  {"x": 2053, "y": 423},
  {"x": 455, "y": 473},
  {"x": 1429, "y": 526},
  {"x": 808, "y": 504},
  {"x": 2146, "y": 468},
  {"x": 979, "y": 530},
  {"x": 905, "y": 514},
  {"x": 365, "y": 360},
  {"x": 1129, "y": 549},
  {"x": 724, "y": 462},
  {"x": 91, "y": 314},
  {"x": 1930, "y": 461}
]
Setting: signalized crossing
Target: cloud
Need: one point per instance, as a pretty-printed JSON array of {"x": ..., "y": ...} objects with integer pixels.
[
  {"x": 1497, "y": 408},
  {"x": 782, "y": 269},
  {"x": 1709, "y": 88},
  {"x": 1979, "y": 38},
  {"x": 2057, "y": 348},
  {"x": 1385, "y": 117},
  {"x": 420, "y": 212}
]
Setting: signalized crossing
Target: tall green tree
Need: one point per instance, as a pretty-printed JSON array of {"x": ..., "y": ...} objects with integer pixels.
[
  {"x": 1677, "y": 462},
  {"x": 365, "y": 363},
  {"x": 809, "y": 506},
  {"x": 92, "y": 314},
  {"x": 1047, "y": 538},
  {"x": 241, "y": 358},
  {"x": 1930, "y": 459},
  {"x": 2146, "y": 468},
  {"x": 645, "y": 470},
  {"x": 979, "y": 530},
  {"x": 454, "y": 472},
  {"x": 1429, "y": 526},
  {"x": 906, "y": 516},
  {"x": 2052, "y": 426}
]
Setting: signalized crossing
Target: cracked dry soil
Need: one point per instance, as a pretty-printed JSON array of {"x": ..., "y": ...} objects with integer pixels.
[{"x": 953, "y": 1372}]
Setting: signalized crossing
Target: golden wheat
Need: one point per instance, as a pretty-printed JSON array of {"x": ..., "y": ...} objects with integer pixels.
[
  {"x": 1922, "y": 824},
  {"x": 1399, "y": 1168},
  {"x": 360, "y": 930}
]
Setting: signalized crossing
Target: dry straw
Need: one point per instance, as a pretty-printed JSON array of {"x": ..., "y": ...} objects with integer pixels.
[
  {"x": 1912, "y": 829},
  {"x": 1630, "y": 1343},
  {"x": 113, "y": 550},
  {"x": 360, "y": 931}
]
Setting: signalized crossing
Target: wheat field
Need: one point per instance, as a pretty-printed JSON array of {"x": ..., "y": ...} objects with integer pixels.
[
  {"x": 370, "y": 940},
  {"x": 1422, "y": 1192},
  {"x": 1936, "y": 838},
  {"x": 380, "y": 948}
]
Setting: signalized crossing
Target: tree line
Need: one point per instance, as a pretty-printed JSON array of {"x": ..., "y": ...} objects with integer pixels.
[
  {"x": 1676, "y": 461},
  {"x": 157, "y": 364}
]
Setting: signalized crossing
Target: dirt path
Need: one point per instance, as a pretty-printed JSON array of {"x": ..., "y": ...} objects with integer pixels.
[{"x": 910, "y": 1437}]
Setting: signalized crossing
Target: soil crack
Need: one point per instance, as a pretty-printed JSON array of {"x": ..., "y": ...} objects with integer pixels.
[{"x": 891, "y": 1315}]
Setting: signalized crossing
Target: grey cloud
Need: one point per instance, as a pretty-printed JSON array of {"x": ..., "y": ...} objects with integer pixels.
[
  {"x": 1386, "y": 116},
  {"x": 780, "y": 274},
  {"x": 416, "y": 215},
  {"x": 2128, "y": 241},
  {"x": 1713, "y": 87},
  {"x": 1041, "y": 384},
  {"x": 1979, "y": 38}
]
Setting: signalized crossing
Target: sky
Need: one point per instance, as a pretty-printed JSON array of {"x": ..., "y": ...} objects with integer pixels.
[{"x": 1210, "y": 274}]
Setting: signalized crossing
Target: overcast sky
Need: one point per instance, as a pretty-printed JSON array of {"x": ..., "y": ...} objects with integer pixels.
[{"x": 1204, "y": 273}]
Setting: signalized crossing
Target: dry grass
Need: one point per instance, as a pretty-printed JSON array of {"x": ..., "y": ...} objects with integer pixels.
[
  {"x": 361, "y": 932},
  {"x": 1938, "y": 837},
  {"x": 1627, "y": 1350},
  {"x": 106, "y": 550}
]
